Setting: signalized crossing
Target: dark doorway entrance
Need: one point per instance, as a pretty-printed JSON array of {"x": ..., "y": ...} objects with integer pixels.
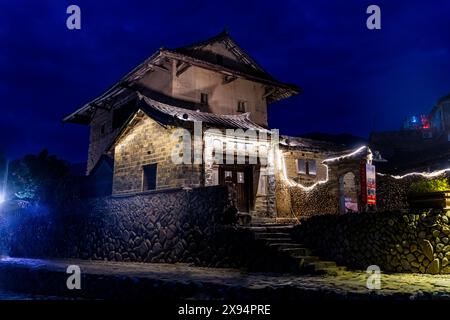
[
  {"x": 149, "y": 182},
  {"x": 242, "y": 178}
]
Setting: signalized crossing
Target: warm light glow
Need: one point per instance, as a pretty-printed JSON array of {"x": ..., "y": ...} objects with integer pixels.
[
  {"x": 292, "y": 183},
  {"x": 422, "y": 174},
  {"x": 346, "y": 155}
]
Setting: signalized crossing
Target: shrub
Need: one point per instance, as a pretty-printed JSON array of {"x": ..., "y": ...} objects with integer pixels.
[{"x": 430, "y": 185}]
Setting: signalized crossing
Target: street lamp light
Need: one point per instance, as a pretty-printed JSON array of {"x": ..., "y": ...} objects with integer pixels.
[{"x": 5, "y": 181}]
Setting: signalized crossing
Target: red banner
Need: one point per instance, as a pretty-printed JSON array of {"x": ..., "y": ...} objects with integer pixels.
[{"x": 368, "y": 184}]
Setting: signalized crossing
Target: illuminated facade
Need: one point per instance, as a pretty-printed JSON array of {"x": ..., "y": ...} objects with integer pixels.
[{"x": 205, "y": 91}]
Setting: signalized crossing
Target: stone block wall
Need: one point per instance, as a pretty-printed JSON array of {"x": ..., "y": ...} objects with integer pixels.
[
  {"x": 170, "y": 226},
  {"x": 290, "y": 159},
  {"x": 293, "y": 201},
  {"x": 392, "y": 193},
  {"x": 98, "y": 141},
  {"x": 395, "y": 242},
  {"x": 161, "y": 227},
  {"x": 147, "y": 142}
]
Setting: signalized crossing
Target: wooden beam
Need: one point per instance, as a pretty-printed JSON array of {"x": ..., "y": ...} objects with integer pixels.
[
  {"x": 269, "y": 91},
  {"x": 158, "y": 67},
  {"x": 227, "y": 79},
  {"x": 182, "y": 68}
]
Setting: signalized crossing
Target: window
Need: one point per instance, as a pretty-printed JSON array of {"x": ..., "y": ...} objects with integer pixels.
[
  {"x": 228, "y": 176},
  {"x": 149, "y": 177},
  {"x": 307, "y": 166},
  {"x": 311, "y": 166},
  {"x": 241, "y": 107},
  {"x": 204, "y": 98},
  {"x": 240, "y": 177},
  {"x": 301, "y": 166}
]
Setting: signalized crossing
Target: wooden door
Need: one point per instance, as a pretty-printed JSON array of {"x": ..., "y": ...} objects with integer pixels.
[{"x": 241, "y": 178}]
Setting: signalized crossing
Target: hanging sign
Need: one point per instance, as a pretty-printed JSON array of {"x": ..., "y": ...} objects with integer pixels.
[{"x": 368, "y": 184}]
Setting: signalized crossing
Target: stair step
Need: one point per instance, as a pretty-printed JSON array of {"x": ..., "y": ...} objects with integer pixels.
[
  {"x": 278, "y": 236},
  {"x": 327, "y": 270},
  {"x": 324, "y": 264},
  {"x": 275, "y": 241},
  {"x": 286, "y": 245},
  {"x": 298, "y": 252},
  {"x": 268, "y": 229},
  {"x": 272, "y": 235},
  {"x": 271, "y": 224},
  {"x": 306, "y": 261}
]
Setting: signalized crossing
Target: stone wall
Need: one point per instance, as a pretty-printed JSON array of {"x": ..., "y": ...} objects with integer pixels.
[
  {"x": 148, "y": 142},
  {"x": 290, "y": 160},
  {"x": 392, "y": 193},
  {"x": 162, "y": 227},
  {"x": 395, "y": 242},
  {"x": 293, "y": 201},
  {"x": 170, "y": 226},
  {"x": 98, "y": 141}
]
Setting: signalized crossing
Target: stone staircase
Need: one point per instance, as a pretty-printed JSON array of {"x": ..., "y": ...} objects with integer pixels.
[{"x": 277, "y": 238}]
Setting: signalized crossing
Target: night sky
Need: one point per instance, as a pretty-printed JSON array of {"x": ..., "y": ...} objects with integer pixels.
[{"x": 355, "y": 80}]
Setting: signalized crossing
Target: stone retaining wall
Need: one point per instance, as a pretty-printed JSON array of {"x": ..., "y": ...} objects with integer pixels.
[
  {"x": 392, "y": 193},
  {"x": 393, "y": 241},
  {"x": 170, "y": 226}
]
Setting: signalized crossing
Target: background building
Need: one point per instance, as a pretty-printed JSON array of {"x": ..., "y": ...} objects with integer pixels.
[{"x": 423, "y": 143}]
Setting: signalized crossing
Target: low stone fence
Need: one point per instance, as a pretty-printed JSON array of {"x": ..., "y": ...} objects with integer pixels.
[
  {"x": 294, "y": 202},
  {"x": 393, "y": 241},
  {"x": 170, "y": 226},
  {"x": 392, "y": 193}
]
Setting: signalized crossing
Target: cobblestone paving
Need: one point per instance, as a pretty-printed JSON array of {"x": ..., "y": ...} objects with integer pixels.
[
  {"x": 7, "y": 295},
  {"x": 346, "y": 282}
]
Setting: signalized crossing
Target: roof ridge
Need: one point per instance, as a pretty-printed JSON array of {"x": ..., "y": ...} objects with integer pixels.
[{"x": 223, "y": 34}]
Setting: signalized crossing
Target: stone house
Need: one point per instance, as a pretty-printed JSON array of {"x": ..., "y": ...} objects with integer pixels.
[{"x": 174, "y": 120}]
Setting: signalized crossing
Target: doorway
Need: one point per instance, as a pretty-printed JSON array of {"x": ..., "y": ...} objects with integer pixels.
[
  {"x": 348, "y": 194},
  {"x": 242, "y": 178}
]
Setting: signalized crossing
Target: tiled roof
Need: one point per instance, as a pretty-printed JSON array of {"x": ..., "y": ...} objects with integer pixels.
[
  {"x": 244, "y": 64},
  {"x": 245, "y": 68},
  {"x": 150, "y": 107},
  {"x": 299, "y": 143}
]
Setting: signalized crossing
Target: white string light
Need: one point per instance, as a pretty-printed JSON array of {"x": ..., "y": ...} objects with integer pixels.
[
  {"x": 422, "y": 174},
  {"x": 346, "y": 155},
  {"x": 293, "y": 183}
]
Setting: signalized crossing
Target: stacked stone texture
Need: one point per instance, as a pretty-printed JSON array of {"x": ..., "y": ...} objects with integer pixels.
[
  {"x": 393, "y": 241},
  {"x": 392, "y": 194},
  {"x": 293, "y": 201},
  {"x": 163, "y": 227},
  {"x": 171, "y": 226}
]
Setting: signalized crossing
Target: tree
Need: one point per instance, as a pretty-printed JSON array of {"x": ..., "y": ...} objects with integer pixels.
[{"x": 42, "y": 178}]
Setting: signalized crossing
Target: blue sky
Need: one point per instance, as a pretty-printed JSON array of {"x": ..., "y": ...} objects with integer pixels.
[{"x": 355, "y": 80}]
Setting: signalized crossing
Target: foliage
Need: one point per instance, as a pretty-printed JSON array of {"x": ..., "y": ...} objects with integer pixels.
[
  {"x": 43, "y": 179},
  {"x": 433, "y": 185}
]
